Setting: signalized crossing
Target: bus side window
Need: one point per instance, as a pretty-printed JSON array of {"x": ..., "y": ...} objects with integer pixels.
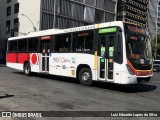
[
  {"x": 62, "y": 43},
  {"x": 22, "y": 45},
  {"x": 119, "y": 48},
  {"x": 33, "y": 44},
  {"x": 12, "y": 46},
  {"x": 118, "y": 57},
  {"x": 83, "y": 41}
]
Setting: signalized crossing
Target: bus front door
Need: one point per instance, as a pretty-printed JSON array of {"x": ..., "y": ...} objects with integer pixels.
[
  {"x": 45, "y": 51},
  {"x": 105, "y": 61}
]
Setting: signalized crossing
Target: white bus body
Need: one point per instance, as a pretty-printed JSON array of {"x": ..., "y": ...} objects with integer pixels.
[{"x": 84, "y": 63}]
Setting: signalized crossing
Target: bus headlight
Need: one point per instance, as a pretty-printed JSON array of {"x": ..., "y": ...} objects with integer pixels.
[{"x": 130, "y": 70}]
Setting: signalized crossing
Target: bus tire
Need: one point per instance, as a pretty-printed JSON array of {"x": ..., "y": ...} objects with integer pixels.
[
  {"x": 85, "y": 77},
  {"x": 27, "y": 69}
]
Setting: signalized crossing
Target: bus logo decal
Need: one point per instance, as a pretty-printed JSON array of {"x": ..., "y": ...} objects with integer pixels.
[
  {"x": 34, "y": 59},
  {"x": 63, "y": 60}
]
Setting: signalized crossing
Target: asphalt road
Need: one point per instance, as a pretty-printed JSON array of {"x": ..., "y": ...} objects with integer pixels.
[{"x": 51, "y": 93}]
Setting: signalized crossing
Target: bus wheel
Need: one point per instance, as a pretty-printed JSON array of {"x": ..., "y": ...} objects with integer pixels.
[
  {"x": 27, "y": 69},
  {"x": 85, "y": 77}
]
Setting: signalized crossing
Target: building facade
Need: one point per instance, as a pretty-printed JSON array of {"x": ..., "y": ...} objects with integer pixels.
[
  {"x": 152, "y": 17},
  {"x": 158, "y": 20},
  {"x": 20, "y": 17},
  {"x": 2, "y": 22},
  {"x": 73, "y": 13},
  {"x": 133, "y": 11},
  {"x": 17, "y": 18}
]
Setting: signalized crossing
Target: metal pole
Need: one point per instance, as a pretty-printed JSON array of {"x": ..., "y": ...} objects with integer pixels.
[
  {"x": 156, "y": 31},
  {"x": 54, "y": 13},
  {"x": 34, "y": 28}
]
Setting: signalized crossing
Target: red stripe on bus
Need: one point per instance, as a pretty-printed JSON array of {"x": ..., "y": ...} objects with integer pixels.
[
  {"x": 17, "y": 57},
  {"x": 22, "y": 57},
  {"x": 139, "y": 72},
  {"x": 11, "y": 57},
  {"x": 130, "y": 65}
]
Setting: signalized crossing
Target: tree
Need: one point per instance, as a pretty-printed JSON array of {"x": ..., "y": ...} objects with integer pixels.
[{"x": 153, "y": 43}]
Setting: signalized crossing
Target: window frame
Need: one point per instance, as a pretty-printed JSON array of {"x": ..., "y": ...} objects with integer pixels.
[
  {"x": 8, "y": 11},
  {"x": 8, "y": 26},
  {"x": 22, "y": 51},
  {"x": 93, "y": 46},
  {"x": 16, "y": 8},
  {"x": 16, "y": 24},
  {"x": 38, "y": 45},
  {"x": 8, "y": 1},
  {"x": 55, "y": 42},
  {"x": 118, "y": 58},
  {"x": 9, "y": 43}
]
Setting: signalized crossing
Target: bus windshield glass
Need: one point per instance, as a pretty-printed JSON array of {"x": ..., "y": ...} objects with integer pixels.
[{"x": 138, "y": 47}]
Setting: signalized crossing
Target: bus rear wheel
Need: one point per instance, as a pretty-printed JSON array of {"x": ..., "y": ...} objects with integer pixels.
[
  {"x": 27, "y": 69},
  {"x": 85, "y": 77}
]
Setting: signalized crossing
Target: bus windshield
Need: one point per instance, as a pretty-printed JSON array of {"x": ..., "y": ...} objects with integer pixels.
[{"x": 138, "y": 47}]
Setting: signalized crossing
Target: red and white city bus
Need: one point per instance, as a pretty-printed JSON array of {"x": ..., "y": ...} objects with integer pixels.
[{"x": 115, "y": 52}]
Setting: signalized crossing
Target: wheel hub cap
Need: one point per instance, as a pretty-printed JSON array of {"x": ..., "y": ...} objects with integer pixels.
[{"x": 85, "y": 76}]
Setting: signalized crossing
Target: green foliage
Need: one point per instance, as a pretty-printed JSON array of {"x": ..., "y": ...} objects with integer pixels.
[{"x": 153, "y": 43}]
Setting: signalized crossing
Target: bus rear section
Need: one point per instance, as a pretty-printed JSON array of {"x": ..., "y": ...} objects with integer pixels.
[{"x": 23, "y": 54}]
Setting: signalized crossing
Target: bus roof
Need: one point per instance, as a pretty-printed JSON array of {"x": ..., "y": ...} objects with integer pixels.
[{"x": 69, "y": 30}]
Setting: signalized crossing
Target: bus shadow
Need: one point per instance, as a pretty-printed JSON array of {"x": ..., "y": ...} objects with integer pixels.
[
  {"x": 108, "y": 86},
  {"x": 133, "y": 88},
  {"x": 58, "y": 78},
  {"x": 52, "y": 77}
]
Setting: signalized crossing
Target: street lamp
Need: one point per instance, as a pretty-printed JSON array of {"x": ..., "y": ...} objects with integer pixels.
[{"x": 34, "y": 28}]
